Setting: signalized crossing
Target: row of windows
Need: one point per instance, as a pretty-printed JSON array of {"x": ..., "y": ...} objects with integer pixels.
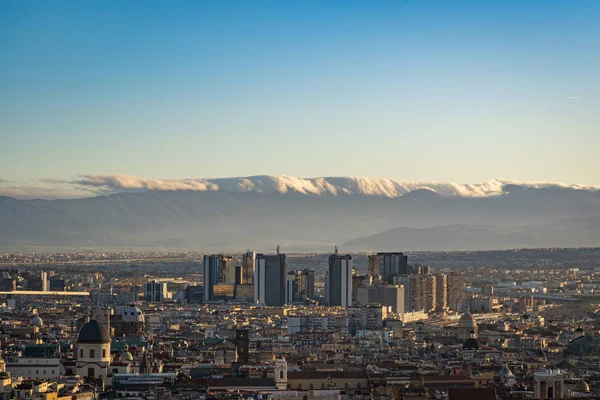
[
  {"x": 92, "y": 353},
  {"x": 323, "y": 386},
  {"x": 37, "y": 372}
]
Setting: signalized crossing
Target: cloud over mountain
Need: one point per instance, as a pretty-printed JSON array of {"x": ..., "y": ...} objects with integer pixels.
[
  {"x": 316, "y": 186},
  {"x": 92, "y": 185}
]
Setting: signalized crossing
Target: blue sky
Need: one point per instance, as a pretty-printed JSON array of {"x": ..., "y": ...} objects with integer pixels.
[{"x": 460, "y": 91}]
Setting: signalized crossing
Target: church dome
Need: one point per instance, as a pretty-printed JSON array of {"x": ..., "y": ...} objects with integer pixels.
[
  {"x": 581, "y": 387},
  {"x": 126, "y": 356},
  {"x": 467, "y": 321},
  {"x": 133, "y": 314},
  {"x": 93, "y": 332},
  {"x": 37, "y": 321}
]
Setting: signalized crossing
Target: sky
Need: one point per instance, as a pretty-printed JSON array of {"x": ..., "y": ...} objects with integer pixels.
[{"x": 457, "y": 91}]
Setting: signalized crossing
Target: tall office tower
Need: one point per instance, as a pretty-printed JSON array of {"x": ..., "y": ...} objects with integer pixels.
[
  {"x": 248, "y": 260},
  {"x": 269, "y": 279},
  {"x": 155, "y": 291},
  {"x": 456, "y": 290},
  {"x": 430, "y": 293},
  {"x": 340, "y": 280},
  {"x": 45, "y": 282},
  {"x": 226, "y": 270},
  {"x": 373, "y": 268},
  {"x": 218, "y": 269},
  {"x": 392, "y": 264},
  {"x": 300, "y": 285},
  {"x": 415, "y": 289},
  {"x": 391, "y": 296},
  {"x": 441, "y": 292}
]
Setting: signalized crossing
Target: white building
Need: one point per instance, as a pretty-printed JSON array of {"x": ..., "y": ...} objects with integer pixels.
[{"x": 549, "y": 384}]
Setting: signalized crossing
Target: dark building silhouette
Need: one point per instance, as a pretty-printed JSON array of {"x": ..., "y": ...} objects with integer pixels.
[
  {"x": 340, "y": 280},
  {"x": 269, "y": 279},
  {"x": 242, "y": 343},
  {"x": 392, "y": 264}
]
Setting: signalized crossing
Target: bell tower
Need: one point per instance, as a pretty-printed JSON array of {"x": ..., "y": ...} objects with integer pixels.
[{"x": 281, "y": 369}]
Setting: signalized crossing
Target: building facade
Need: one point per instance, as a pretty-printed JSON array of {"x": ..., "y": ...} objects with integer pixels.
[{"x": 340, "y": 280}]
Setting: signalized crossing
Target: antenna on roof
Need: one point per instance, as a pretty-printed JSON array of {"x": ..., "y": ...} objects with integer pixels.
[
  {"x": 336, "y": 250},
  {"x": 277, "y": 249}
]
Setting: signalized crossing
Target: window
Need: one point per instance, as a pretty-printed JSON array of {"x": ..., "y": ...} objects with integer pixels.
[
  {"x": 103, "y": 353},
  {"x": 322, "y": 386},
  {"x": 92, "y": 353},
  {"x": 90, "y": 372},
  {"x": 299, "y": 386},
  {"x": 280, "y": 374},
  {"x": 311, "y": 386},
  {"x": 81, "y": 353}
]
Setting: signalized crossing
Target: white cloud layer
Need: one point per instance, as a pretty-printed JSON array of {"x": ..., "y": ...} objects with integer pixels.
[{"x": 315, "y": 186}]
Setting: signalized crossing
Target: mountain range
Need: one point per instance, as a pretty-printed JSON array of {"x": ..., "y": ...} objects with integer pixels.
[{"x": 305, "y": 215}]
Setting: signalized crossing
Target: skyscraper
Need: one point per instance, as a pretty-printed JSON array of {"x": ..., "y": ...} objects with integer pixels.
[
  {"x": 415, "y": 292},
  {"x": 269, "y": 279},
  {"x": 300, "y": 285},
  {"x": 340, "y": 280},
  {"x": 45, "y": 282},
  {"x": 217, "y": 269},
  {"x": 430, "y": 293},
  {"x": 441, "y": 292},
  {"x": 248, "y": 260},
  {"x": 392, "y": 264},
  {"x": 455, "y": 290},
  {"x": 373, "y": 268}
]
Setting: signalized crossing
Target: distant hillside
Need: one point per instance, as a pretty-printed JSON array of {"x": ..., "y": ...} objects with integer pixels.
[{"x": 228, "y": 220}]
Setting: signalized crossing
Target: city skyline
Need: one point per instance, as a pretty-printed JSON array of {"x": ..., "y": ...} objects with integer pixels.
[{"x": 465, "y": 93}]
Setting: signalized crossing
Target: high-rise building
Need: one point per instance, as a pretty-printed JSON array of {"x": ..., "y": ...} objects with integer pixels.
[
  {"x": 218, "y": 269},
  {"x": 45, "y": 282},
  {"x": 155, "y": 291},
  {"x": 391, "y": 296},
  {"x": 456, "y": 290},
  {"x": 269, "y": 279},
  {"x": 392, "y": 264},
  {"x": 373, "y": 268},
  {"x": 248, "y": 261},
  {"x": 441, "y": 292},
  {"x": 430, "y": 293},
  {"x": 340, "y": 280},
  {"x": 300, "y": 285},
  {"x": 415, "y": 291}
]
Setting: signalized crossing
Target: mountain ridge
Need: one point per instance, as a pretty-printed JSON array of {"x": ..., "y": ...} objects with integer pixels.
[{"x": 217, "y": 220}]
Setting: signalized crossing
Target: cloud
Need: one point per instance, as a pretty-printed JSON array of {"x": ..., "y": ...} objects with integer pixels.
[
  {"x": 573, "y": 98},
  {"x": 315, "y": 186},
  {"x": 41, "y": 192}
]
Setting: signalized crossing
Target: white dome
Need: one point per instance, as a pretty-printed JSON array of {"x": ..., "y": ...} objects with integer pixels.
[
  {"x": 133, "y": 314},
  {"x": 37, "y": 321}
]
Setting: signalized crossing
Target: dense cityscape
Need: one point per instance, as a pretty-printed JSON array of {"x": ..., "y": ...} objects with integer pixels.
[{"x": 301, "y": 326}]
